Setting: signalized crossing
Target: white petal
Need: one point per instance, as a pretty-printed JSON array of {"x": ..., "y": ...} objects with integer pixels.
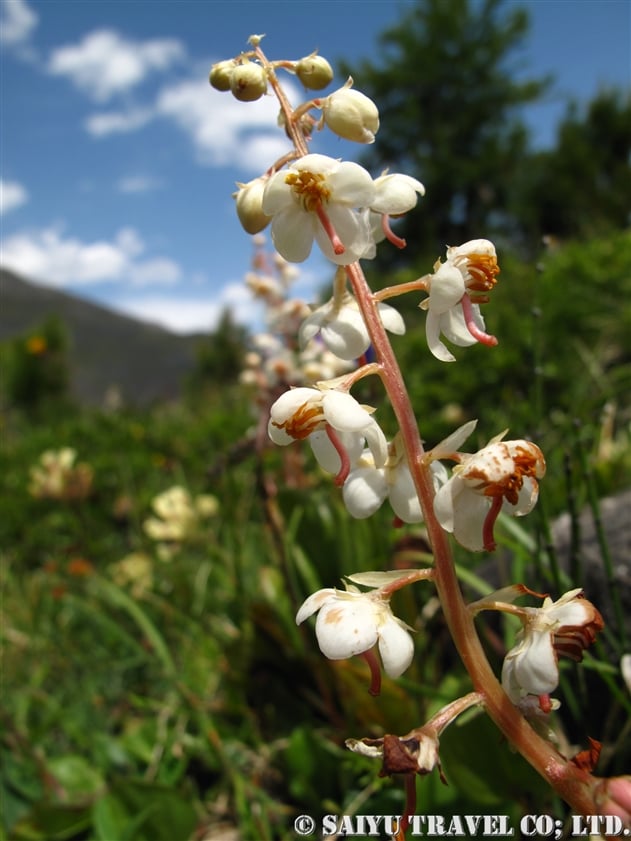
[
  {"x": 346, "y": 336},
  {"x": 352, "y": 185},
  {"x": 290, "y": 401},
  {"x": 432, "y": 334},
  {"x": 396, "y": 194},
  {"x": 395, "y": 646},
  {"x": 403, "y": 497},
  {"x": 279, "y": 436},
  {"x": 292, "y": 233},
  {"x": 364, "y": 491},
  {"x": 391, "y": 319},
  {"x": 526, "y": 501},
  {"x": 327, "y": 456},
  {"x": 277, "y": 195},
  {"x": 444, "y": 504},
  {"x": 342, "y": 411},
  {"x": 313, "y": 603},
  {"x": 376, "y": 441},
  {"x": 453, "y": 326},
  {"x": 346, "y": 627},
  {"x": 452, "y": 443},
  {"x": 311, "y": 326},
  {"x": 470, "y": 511},
  {"x": 536, "y": 669},
  {"x": 446, "y": 289},
  {"x": 317, "y": 163}
]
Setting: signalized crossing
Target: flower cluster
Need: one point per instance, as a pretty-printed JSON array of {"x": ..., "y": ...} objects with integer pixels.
[
  {"x": 179, "y": 517},
  {"x": 57, "y": 475}
]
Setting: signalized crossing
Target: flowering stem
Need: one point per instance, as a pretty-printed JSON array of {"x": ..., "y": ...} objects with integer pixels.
[{"x": 571, "y": 783}]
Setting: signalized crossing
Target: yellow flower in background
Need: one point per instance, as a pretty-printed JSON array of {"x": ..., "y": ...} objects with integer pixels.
[
  {"x": 57, "y": 476},
  {"x": 179, "y": 515}
]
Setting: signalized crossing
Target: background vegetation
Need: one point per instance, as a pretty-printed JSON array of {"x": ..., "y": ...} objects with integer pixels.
[{"x": 162, "y": 692}]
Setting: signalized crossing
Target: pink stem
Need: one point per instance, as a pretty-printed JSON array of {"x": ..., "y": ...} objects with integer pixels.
[{"x": 574, "y": 785}]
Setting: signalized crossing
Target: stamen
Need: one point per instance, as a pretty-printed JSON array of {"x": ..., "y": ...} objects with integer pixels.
[
  {"x": 545, "y": 703},
  {"x": 478, "y": 335},
  {"x": 345, "y": 467},
  {"x": 390, "y": 235}
]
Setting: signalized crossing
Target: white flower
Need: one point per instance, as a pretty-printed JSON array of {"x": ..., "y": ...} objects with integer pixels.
[
  {"x": 300, "y": 412},
  {"x": 315, "y": 198},
  {"x": 342, "y": 327},
  {"x": 467, "y": 276},
  {"x": 501, "y": 476},
  {"x": 566, "y": 626},
  {"x": 396, "y": 193},
  {"x": 368, "y": 486},
  {"x": 350, "y": 623}
]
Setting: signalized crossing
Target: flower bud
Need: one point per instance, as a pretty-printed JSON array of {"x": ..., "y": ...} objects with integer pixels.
[
  {"x": 248, "y": 82},
  {"x": 249, "y": 200},
  {"x": 220, "y": 75},
  {"x": 314, "y": 72},
  {"x": 351, "y": 114}
]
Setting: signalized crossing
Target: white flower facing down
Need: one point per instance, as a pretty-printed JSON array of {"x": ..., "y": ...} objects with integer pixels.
[
  {"x": 566, "y": 626},
  {"x": 342, "y": 327},
  {"x": 500, "y": 477},
  {"x": 317, "y": 197},
  {"x": 368, "y": 486},
  {"x": 456, "y": 288},
  {"x": 350, "y": 622},
  {"x": 300, "y": 412}
]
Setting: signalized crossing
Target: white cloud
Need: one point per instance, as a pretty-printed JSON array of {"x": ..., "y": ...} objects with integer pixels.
[
  {"x": 12, "y": 195},
  {"x": 17, "y": 21},
  {"x": 104, "y": 63},
  {"x": 193, "y": 315},
  {"x": 56, "y": 260},
  {"x": 224, "y": 131},
  {"x": 139, "y": 184},
  {"x": 117, "y": 122}
]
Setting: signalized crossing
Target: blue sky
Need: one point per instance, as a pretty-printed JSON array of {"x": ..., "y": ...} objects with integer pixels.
[{"x": 118, "y": 160}]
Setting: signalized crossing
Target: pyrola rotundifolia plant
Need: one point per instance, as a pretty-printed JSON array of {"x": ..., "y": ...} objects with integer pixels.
[{"x": 310, "y": 200}]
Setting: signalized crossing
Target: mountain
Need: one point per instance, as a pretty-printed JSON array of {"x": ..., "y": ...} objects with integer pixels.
[{"x": 108, "y": 352}]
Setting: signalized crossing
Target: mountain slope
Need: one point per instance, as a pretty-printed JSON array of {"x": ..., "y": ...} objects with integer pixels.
[{"x": 143, "y": 362}]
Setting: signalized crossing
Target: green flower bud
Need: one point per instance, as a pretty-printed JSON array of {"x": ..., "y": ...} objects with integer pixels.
[
  {"x": 220, "y": 75},
  {"x": 248, "y": 82},
  {"x": 249, "y": 198},
  {"x": 314, "y": 72},
  {"x": 351, "y": 114}
]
